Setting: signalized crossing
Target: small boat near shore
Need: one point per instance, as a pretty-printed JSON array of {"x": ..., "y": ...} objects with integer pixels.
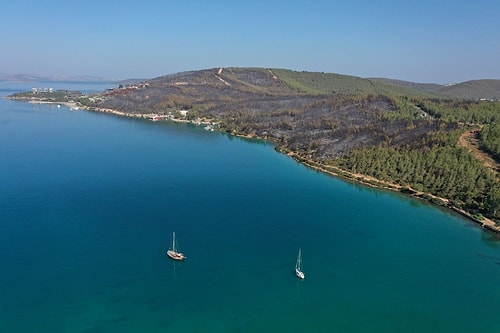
[
  {"x": 173, "y": 251},
  {"x": 298, "y": 267}
]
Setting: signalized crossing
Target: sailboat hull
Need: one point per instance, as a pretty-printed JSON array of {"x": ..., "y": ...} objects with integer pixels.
[
  {"x": 175, "y": 255},
  {"x": 299, "y": 274}
]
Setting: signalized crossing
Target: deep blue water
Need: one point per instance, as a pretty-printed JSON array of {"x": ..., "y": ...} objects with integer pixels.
[{"x": 88, "y": 203}]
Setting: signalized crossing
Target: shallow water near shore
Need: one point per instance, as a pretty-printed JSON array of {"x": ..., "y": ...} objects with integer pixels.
[{"x": 89, "y": 202}]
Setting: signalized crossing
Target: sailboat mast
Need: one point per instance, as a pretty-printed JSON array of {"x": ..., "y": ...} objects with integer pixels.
[{"x": 173, "y": 241}]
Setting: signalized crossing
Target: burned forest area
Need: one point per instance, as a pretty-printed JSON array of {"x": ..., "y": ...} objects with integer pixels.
[{"x": 395, "y": 131}]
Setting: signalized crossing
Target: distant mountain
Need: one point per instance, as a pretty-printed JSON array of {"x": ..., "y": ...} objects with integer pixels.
[
  {"x": 428, "y": 87},
  {"x": 476, "y": 89},
  {"x": 131, "y": 81},
  {"x": 39, "y": 78},
  {"x": 20, "y": 77}
]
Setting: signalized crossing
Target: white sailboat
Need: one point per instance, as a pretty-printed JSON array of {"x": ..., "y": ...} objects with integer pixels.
[
  {"x": 298, "y": 267},
  {"x": 173, "y": 251}
]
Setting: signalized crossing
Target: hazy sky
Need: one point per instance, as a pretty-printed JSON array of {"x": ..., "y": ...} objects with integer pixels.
[{"x": 437, "y": 41}]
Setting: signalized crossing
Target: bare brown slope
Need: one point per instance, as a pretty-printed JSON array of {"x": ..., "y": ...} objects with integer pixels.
[{"x": 470, "y": 141}]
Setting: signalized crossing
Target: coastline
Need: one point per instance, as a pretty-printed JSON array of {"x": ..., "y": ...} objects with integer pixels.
[{"x": 485, "y": 223}]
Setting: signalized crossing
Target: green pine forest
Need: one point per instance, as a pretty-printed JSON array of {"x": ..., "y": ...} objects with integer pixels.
[{"x": 438, "y": 164}]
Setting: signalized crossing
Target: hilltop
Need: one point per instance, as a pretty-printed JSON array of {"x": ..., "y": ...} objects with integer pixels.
[
  {"x": 223, "y": 86},
  {"x": 293, "y": 108},
  {"x": 210, "y": 88}
]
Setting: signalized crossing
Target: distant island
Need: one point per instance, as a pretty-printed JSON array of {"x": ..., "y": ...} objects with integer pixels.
[{"x": 440, "y": 143}]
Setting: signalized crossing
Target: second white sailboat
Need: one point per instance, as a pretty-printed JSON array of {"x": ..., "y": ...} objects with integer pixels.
[{"x": 298, "y": 267}]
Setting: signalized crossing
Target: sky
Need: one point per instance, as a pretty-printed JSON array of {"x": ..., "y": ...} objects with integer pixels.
[{"x": 435, "y": 41}]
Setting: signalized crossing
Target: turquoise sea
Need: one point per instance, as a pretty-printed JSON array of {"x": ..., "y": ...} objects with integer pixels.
[{"x": 89, "y": 201}]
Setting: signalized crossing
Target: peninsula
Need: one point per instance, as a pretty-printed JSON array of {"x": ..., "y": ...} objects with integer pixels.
[{"x": 435, "y": 142}]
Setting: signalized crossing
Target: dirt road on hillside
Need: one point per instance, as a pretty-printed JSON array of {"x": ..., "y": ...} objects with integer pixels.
[{"x": 470, "y": 140}]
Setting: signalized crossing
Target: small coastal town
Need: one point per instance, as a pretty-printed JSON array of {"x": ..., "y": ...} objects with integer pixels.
[{"x": 76, "y": 100}]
